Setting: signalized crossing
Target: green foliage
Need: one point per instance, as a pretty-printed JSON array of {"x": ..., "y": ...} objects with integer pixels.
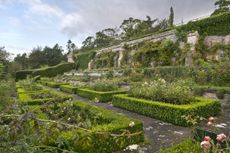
[
  {"x": 104, "y": 60},
  {"x": 54, "y": 84},
  {"x": 171, "y": 113},
  {"x": 32, "y": 96},
  {"x": 68, "y": 88},
  {"x": 104, "y": 86},
  {"x": 45, "y": 72},
  {"x": 186, "y": 146},
  {"x": 220, "y": 91},
  {"x": 159, "y": 90},
  {"x": 155, "y": 53},
  {"x": 6, "y": 92},
  {"x": 171, "y": 17},
  {"x": 23, "y": 74},
  {"x": 99, "y": 95},
  {"x": 82, "y": 59},
  {"x": 223, "y": 6},
  {"x": 214, "y": 25}
]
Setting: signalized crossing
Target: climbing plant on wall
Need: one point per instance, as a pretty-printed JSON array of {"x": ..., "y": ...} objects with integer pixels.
[
  {"x": 104, "y": 59},
  {"x": 156, "y": 53}
]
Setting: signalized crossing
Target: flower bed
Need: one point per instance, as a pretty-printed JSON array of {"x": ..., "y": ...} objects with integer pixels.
[
  {"x": 101, "y": 96},
  {"x": 168, "y": 112},
  {"x": 68, "y": 89},
  {"x": 94, "y": 130},
  {"x": 40, "y": 97}
]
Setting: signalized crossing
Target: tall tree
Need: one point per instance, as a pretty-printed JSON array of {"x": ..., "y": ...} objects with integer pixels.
[
  {"x": 36, "y": 58},
  {"x": 70, "y": 46},
  {"x": 4, "y": 55},
  {"x": 171, "y": 17},
  {"x": 222, "y": 6},
  {"x": 88, "y": 43},
  {"x": 22, "y": 61}
]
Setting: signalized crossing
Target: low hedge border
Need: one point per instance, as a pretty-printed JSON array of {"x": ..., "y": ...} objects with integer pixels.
[
  {"x": 220, "y": 91},
  {"x": 99, "y": 95},
  {"x": 98, "y": 142},
  {"x": 68, "y": 89},
  {"x": 168, "y": 112},
  {"x": 25, "y": 98},
  {"x": 54, "y": 84}
]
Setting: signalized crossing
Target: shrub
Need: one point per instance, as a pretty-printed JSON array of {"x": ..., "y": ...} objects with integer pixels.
[
  {"x": 159, "y": 90},
  {"x": 98, "y": 96},
  {"x": 104, "y": 86},
  {"x": 220, "y": 91},
  {"x": 45, "y": 72},
  {"x": 68, "y": 88},
  {"x": 168, "y": 112},
  {"x": 186, "y": 146},
  {"x": 20, "y": 75}
]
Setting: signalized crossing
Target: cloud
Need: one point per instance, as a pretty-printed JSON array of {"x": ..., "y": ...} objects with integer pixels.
[
  {"x": 39, "y": 7},
  {"x": 69, "y": 22}
]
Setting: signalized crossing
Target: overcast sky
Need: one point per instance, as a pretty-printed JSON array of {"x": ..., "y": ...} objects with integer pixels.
[{"x": 25, "y": 24}]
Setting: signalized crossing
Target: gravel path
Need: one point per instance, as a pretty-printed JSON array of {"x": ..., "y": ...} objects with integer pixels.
[{"x": 159, "y": 134}]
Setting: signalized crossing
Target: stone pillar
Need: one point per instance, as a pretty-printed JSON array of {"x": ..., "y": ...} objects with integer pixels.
[
  {"x": 192, "y": 39},
  {"x": 90, "y": 65},
  {"x": 70, "y": 57},
  {"x": 120, "y": 56}
]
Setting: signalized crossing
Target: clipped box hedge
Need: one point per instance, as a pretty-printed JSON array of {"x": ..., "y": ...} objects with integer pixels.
[
  {"x": 25, "y": 97},
  {"x": 68, "y": 89},
  {"x": 100, "y": 137},
  {"x": 220, "y": 91},
  {"x": 102, "y": 96},
  {"x": 54, "y": 84},
  {"x": 168, "y": 112}
]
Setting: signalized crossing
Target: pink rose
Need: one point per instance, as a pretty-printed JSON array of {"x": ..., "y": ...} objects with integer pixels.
[
  {"x": 221, "y": 137},
  {"x": 207, "y": 138}
]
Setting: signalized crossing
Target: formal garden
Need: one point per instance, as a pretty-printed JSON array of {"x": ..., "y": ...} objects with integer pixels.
[{"x": 154, "y": 88}]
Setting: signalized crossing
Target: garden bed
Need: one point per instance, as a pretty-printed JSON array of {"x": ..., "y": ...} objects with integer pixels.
[
  {"x": 101, "y": 96},
  {"x": 171, "y": 113},
  {"x": 95, "y": 130},
  {"x": 40, "y": 97}
]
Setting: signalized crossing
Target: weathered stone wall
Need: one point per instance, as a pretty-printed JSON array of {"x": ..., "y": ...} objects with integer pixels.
[
  {"x": 212, "y": 40},
  {"x": 192, "y": 40}
]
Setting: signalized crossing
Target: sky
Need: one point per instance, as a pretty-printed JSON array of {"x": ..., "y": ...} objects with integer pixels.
[{"x": 25, "y": 24}]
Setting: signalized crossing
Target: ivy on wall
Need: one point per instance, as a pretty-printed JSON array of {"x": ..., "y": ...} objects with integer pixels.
[
  {"x": 104, "y": 60},
  {"x": 158, "y": 53},
  {"x": 214, "y": 25}
]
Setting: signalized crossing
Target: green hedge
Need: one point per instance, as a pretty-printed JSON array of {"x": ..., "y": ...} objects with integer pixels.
[
  {"x": 45, "y": 72},
  {"x": 220, "y": 91},
  {"x": 68, "y": 89},
  {"x": 99, "y": 138},
  {"x": 54, "y": 84},
  {"x": 20, "y": 75},
  {"x": 25, "y": 97},
  {"x": 54, "y": 70},
  {"x": 101, "y": 96},
  {"x": 82, "y": 59},
  {"x": 214, "y": 25},
  {"x": 168, "y": 112}
]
